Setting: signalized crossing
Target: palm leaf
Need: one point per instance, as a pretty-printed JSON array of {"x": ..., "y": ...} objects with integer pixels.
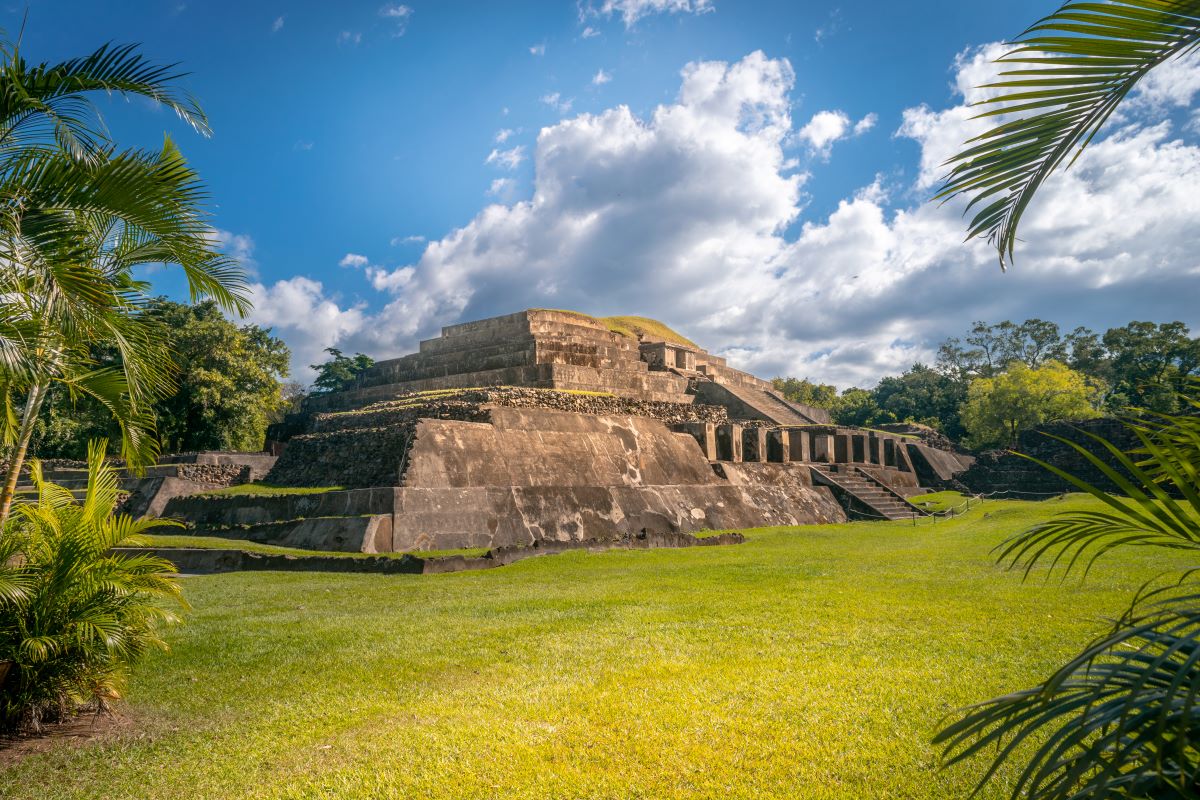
[
  {"x": 1120, "y": 719},
  {"x": 1072, "y": 70}
]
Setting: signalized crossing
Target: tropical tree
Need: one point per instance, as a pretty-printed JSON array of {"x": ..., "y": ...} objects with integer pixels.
[
  {"x": 74, "y": 616},
  {"x": 810, "y": 393},
  {"x": 76, "y": 216},
  {"x": 999, "y": 409},
  {"x": 228, "y": 387},
  {"x": 340, "y": 371},
  {"x": 1121, "y": 719},
  {"x": 925, "y": 395},
  {"x": 1071, "y": 71}
]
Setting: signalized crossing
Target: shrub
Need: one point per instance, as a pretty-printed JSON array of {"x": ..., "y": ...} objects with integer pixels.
[{"x": 73, "y": 616}]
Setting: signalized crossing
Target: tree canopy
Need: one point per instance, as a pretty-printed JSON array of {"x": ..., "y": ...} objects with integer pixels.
[
  {"x": 339, "y": 372},
  {"x": 999, "y": 409},
  {"x": 229, "y": 387}
]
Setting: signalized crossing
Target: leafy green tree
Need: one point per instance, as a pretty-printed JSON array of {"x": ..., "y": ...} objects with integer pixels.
[
  {"x": 999, "y": 409},
  {"x": 802, "y": 390},
  {"x": 858, "y": 407},
  {"x": 229, "y": 379},
  {"x": 1067, "y": 75},
  {"x": 1121, "y": 718},
  {"x": 925, "y": 395},
  {"x": 229, "y": 388},
  {"x": 81, "y": 216},
  {"x": 73, "y": 616},
  {"x": 1147, "y": 362},
  {"x": 339, "y": 372},
  {"x": 989, "y": 349},
  {"x": 1087, "y": 354}
]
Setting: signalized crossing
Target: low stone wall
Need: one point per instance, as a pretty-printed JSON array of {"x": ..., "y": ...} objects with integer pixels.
[
  {"x": 1004, "y": 473},
  {"x": 217, "y": 511},
  {"x": 204, "y": 561},
  {"x": 216, "y": 475},
  {"x": 353, "y": 534}
]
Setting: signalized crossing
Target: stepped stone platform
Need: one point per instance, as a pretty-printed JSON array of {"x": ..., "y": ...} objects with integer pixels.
[
  {"x": 175, "y": 475},
  {"x": 552, "y": 427}
]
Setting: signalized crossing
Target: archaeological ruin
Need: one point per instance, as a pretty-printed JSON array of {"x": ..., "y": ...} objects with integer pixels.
[{"x": 545, "y": 426}]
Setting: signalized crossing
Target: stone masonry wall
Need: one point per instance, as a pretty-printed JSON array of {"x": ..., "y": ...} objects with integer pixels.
[
  {"x": 999, "y": 471},
  {"x": 369, "y": 447}
]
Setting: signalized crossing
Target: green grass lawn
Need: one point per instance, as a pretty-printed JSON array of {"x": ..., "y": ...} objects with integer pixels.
[{"x": 807, "y": 663}]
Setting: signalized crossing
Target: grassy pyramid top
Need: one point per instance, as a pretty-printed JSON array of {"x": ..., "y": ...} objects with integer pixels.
[{"x": 633, "y": 327}]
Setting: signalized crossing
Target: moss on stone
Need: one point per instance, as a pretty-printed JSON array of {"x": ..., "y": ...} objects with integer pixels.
[{"x": 269, "y": 490}]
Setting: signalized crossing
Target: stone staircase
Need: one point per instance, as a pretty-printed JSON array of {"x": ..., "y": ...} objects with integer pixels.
[{"x": 868, "y": 499}]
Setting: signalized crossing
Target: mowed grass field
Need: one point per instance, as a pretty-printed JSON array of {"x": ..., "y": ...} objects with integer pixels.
[{"x": 808, "y": 662}]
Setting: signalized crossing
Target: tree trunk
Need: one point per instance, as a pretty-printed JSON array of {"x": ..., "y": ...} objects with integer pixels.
[{"x": 33, "y": 404}]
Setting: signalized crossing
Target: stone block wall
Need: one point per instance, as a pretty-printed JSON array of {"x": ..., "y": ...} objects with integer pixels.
[
  {"x": 1006, "y": 474},
  {"x": 368, "y": 447}
]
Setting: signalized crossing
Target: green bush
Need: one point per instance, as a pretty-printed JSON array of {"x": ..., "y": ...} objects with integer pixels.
[{"x": 74, "y": 616}]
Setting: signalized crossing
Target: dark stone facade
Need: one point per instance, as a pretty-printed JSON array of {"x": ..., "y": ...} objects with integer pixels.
[{"x": 1004, "y": 473}]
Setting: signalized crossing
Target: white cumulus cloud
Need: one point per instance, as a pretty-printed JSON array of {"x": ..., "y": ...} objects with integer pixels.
[
  {"x": 601, "y": 77},
  {"x": 689, "y": 214}
]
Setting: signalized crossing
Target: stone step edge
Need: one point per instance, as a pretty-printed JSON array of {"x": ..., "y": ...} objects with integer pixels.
[{"x": 210, "y": 561}]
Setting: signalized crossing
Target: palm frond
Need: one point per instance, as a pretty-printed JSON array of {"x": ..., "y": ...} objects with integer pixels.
[
  {"x": 1073, "y": 69},
  {"x": 74, "y": 615},
  {"x": 50, "y": 99},
  {"x": 1119, "y": 720},
  {"x": 1160, "y": 505}
]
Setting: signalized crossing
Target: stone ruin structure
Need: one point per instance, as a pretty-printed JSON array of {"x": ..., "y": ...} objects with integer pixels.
[{"x": 547, "y": 426}]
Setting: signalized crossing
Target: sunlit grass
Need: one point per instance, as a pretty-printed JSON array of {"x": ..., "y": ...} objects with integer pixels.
[
  {"x": 809, "y": 662},
  {"x": 941, "y": 501}
]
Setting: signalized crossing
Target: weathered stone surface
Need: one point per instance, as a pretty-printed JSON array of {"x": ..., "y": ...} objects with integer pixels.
[
  {"x": 339, "y": 534},
  {"x": 937, "y": 467},
  {"x": 595, "y": 434},
  {"x": 378, "y": 436},
  {"x": 529, "y": 475},
  {"x": 218, "y": 511},
  {"x": 1006, "y": 474},
  {"x": 206, "y": 561}
]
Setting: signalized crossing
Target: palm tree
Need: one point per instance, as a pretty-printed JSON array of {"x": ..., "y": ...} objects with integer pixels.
[
  {"x": 75, "y": 216},
  {"x": 1073, "y": 70},
  {"x": 1121, "y": 719},
  {"x": 73, "y": 615}
]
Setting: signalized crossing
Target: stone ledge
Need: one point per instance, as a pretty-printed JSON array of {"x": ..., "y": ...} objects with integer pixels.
[{"x": 205, "y": 561}]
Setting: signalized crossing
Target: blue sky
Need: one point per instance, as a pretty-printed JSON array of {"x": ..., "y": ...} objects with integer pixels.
[{"x": 352, "y": 143}]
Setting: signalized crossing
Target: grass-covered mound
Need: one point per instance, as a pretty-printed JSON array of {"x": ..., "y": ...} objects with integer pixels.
[
  {"x": 807, "y": 663},
  {"x": 632, "y": 326}
]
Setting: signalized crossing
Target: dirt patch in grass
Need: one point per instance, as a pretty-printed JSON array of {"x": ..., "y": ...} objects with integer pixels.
[{"x": 83, "y": 728}]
